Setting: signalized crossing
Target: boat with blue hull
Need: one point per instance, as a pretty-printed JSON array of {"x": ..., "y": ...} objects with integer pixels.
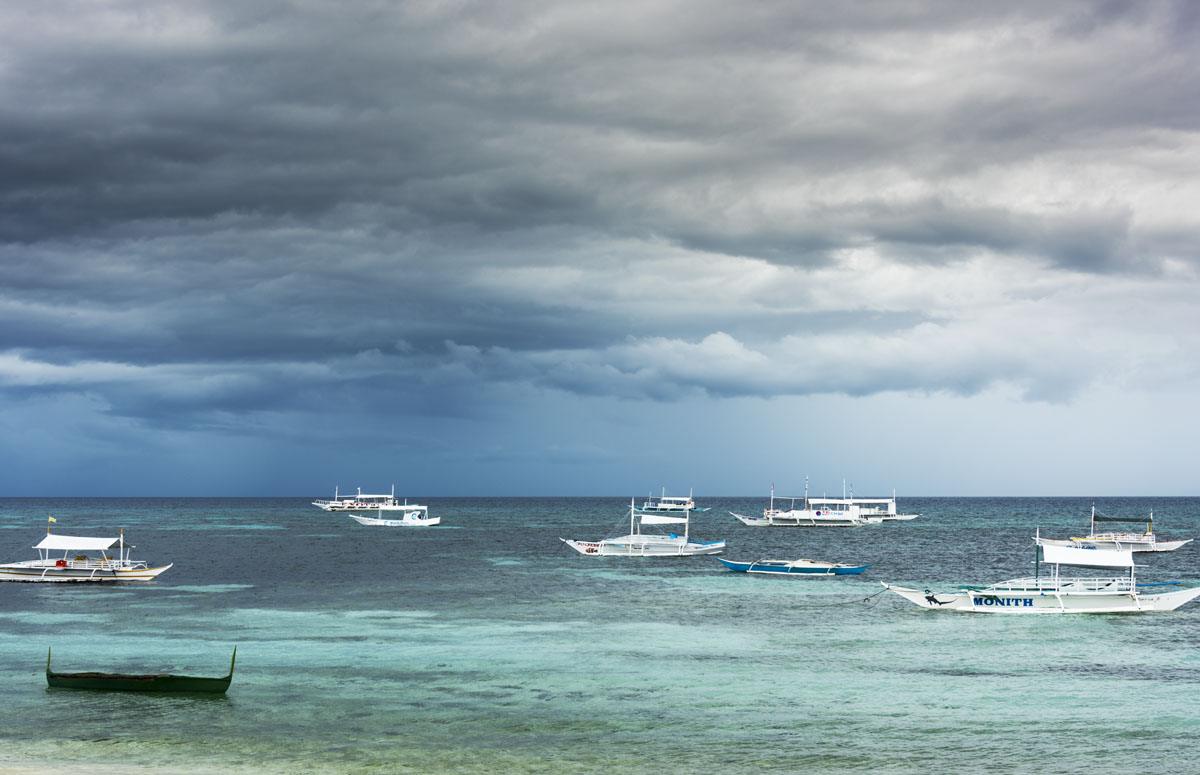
[{"x": 809, "y": 568}]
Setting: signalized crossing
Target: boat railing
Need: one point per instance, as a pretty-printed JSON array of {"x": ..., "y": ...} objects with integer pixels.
[
  {"x": 1131, "y": 537},
  {"x": 1065, "y": 584},
  {"x": 94, "y": 563}
]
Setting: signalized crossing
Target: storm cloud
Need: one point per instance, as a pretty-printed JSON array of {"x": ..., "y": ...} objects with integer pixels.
[{"x": 214, "y": 215}]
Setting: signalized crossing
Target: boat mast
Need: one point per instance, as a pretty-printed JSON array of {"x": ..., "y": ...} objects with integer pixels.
[
  {"x": 1037, "y": 554},
  {"x": 631, "y": 517},
  {"x": 806, "y": 492},
  {"x": 1092, "y": 532}
]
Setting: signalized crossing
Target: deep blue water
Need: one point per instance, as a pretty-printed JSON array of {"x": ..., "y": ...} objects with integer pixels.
[{"x": 487, "y": 646}]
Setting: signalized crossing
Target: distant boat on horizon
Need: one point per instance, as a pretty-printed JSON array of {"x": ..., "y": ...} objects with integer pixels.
[
  {"x": 362, "y": 501},
  {"x": 670, "y": 504},
  {"x": 846, "y": 511},
  {"x": 413, "y": 516}
]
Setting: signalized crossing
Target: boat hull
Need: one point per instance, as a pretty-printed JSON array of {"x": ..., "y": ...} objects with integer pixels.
[
  {"x": 396, "y": 522},
  {"x": 123, "y": 682},
  {"x": 1032, "y": 602},
  {"x": 32, "y": 572},
  {"x": 112, "y": 682},
  {"x": 645, "y": 546},
  {"x": 781, "y": 568},
  {"x": 1128, "y": 546},
  {"x": 802, "y": 521}
]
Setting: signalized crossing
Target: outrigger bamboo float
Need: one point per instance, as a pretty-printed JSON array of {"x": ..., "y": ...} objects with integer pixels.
[
  {"x": 76, "y": 565},
  {"x": 1054, "y": 593},
  {"x": 158, "y": 682}
]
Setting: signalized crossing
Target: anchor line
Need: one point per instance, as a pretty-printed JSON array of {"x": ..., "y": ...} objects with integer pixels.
[{"x": 848, "y": 602}]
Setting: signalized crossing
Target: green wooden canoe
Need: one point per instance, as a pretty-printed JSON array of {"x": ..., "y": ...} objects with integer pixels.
[{"x": 118, "y": 682}]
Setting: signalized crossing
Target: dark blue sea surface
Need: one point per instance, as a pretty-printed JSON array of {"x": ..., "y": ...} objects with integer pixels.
[{"x": 485, "y": 645}]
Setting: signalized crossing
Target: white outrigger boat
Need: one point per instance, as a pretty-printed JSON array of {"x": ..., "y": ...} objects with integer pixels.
[
  {"x": 76, "y": 565},
  {"x": 412, "y": 516},
  {"x": 639, "y": 544},
  {"x": 1057, "y": 594},
  {"x": 670, "y": 504},
  {"x": 362, "y": 502},
  {"x": 1134, "y": 542},
  {"x": 827, "y": 512}
]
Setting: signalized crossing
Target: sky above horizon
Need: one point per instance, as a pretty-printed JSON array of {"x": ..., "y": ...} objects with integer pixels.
[{"x": 530, "y": 248}]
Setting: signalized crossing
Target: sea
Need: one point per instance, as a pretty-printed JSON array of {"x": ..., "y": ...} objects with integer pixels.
[{"x": 486, "y": 645}]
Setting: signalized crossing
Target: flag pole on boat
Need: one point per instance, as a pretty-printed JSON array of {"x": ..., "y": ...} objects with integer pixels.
[{"x": 50, "y": 520}]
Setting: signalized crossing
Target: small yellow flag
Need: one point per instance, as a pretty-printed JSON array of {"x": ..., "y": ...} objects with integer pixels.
[{"x": 52, "y": 519}]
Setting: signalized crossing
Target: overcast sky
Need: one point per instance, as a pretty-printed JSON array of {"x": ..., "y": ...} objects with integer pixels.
[{"x": 256, "y": 247}]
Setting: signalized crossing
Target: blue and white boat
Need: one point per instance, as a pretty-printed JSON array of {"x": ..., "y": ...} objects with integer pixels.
[{"x": 795, "y": 567}]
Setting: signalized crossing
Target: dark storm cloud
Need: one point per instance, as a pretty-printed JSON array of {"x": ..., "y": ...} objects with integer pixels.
[
  {"x": 473, "y": 117},
  {"x": 227, "y": 207}
]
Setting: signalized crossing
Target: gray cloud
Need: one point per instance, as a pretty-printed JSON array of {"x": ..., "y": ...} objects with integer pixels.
[{"x": 209, "y": 211}]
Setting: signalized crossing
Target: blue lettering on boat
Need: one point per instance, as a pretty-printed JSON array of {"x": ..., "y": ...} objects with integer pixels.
[{"x": 1008, "y": 602}]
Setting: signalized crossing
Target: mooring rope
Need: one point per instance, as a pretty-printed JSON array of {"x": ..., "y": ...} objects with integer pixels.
[{"x": 848, "y": 602}]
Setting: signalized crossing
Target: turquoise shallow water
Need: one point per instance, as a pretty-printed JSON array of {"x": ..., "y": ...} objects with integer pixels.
[{"x": 487, "y": 646}]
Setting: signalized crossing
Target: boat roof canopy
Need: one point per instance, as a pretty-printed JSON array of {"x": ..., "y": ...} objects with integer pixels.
[
  {"x": 848, "y": 500},
  {"x": 1092, "y": 558},
  {"x": 654, "y": 519},
  {"x": 79, "y": 543}
]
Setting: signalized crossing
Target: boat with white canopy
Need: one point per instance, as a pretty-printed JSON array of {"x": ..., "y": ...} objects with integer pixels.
[
  {"x": 82, "y": 559},
  {"x": 639, "y": 544},
  {"x": 846, "y": 511},
  {"x": 670, "y": 504},
  {"x": 411, "y": 515},
  {"x": 1054, "y": 593},
  {"x": 362, "y": 501},
  {"x": 1145, "y": 541}
]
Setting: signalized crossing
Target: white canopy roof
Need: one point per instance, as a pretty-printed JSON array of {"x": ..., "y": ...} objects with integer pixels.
[
  {"x": 1094, "y": 558},
  {"x": 77, "y": 543},
  {"x": 654, "y": 519}
]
